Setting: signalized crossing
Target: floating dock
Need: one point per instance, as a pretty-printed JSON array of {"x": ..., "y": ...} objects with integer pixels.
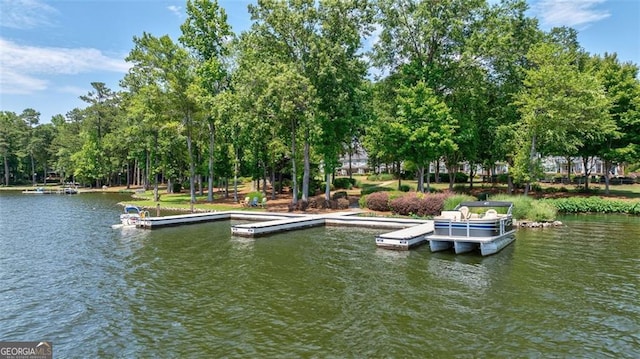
[
  {"x": 408, "y": 233},
  {"x": 194, "y": 218},
  {"x": 275, "y": 226},
  {"x": 406, "y": 238}
]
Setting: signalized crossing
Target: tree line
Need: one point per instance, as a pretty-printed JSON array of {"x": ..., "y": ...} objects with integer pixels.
[{"x": 412, "y": 82}]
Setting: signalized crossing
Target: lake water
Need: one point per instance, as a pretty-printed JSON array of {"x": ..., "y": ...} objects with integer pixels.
[{"x": 195, "y": 291}]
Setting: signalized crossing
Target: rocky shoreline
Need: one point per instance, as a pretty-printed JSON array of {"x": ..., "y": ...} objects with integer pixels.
[{"x": 532, "y": 224}]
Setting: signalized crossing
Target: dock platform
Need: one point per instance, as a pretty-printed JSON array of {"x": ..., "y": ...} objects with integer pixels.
[
  {"x": 406, "y": 238},
  {"x": 274, "y": 226},
  {"x": 193, "y": 218}
]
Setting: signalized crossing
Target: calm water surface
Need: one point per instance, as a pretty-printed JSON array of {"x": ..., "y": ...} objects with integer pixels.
[{"x": 195, "y": 291}]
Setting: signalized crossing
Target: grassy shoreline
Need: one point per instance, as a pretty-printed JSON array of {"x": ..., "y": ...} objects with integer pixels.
[{"x": 622, "y": 198}]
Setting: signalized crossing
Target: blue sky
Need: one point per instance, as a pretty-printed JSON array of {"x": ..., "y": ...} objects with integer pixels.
[{"x": 50, "y": 51}]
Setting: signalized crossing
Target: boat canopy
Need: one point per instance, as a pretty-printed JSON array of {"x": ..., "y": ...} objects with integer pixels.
[
  {"x": 131, "y": 209},
  {"x": 485, "y": 204}
]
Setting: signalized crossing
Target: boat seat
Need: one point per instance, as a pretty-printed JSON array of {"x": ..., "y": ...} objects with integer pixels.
[
  {"x": 452, "y": 215},
  {"x": 491, "y": 213},
  {"x": 464, "y": 212}
]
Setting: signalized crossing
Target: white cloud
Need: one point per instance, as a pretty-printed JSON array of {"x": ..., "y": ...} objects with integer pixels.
[
  {"x": 22, "y": 68},
  {"x": 74, "y": 90},
  {"x": 20, "y": 84},
  {"x": 572, "y": 13},
  {"x": 176, "y": 10},
  {"x": 26, "y": 14}
]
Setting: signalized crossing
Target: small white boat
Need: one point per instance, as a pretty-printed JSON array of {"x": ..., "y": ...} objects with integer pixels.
[
  {"x": 69, "y": 190},
  {"x": 483, "y": 225},
  {"x": 132, "y": 215}
]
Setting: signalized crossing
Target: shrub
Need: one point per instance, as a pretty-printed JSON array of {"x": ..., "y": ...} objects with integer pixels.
[
  {"x": 343, "y": 203},
  {"x": 405, "y": 188},
  {"x": 340, "y": 194},
  {"x": 378, "y": 201},
  {"x": 362, "y": 202},
  {"x": 503, "y": 178},
  {"x": 521, "y": 204},
  {"x": 372, "y": 189},
  {"x": 459, "y": 177},
  {"x": 258, "y": 194},
  {"x": 418, "y": 204},
  {"x": 593, "y": 205},
  {"x": 344, "y": 182},
  {"x": 535, "y": 187},
  {"x": 406, "y": 205},
  {"x": 542, "y": 211},
  {"x": 461, "y": 188}
]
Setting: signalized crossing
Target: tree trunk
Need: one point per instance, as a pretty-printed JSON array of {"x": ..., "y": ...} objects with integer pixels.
[
  {"x": 33, "y": 171},
  {"x": 265, "y": 174},
  {"x": 327, "y": 187},
  {"x": 350, "y": 164},
  {"x": 156, "y": 194},
  {"x": 452, "y": 175},
  {"x": 607, "y": 165},
  {"x": 6, "y": 170},
  {"x": 192, "y": 166},
  {"x": 273, "y": 182},
  {"x": 307, "y": 168},
  {"x": 147, "y": 170},
  {"x": 294, "y": 173},
  {"x": 428, "y": 176},
  {"x": 397, "y": 165},
  {"x": 585, "y": 161},
  {"x": 235, "y": 176},
  {"x": 532, "y": 155},
  {"x": 420, "y": 179},
  {"x": 212, "y": 134}
]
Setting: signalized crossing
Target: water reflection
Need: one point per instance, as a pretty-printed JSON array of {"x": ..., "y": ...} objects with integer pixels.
[{"x": 391, "y": 255}]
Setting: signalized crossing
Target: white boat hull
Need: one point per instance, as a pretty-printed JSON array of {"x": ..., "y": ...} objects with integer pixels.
[
  {"x": 399, "y": 244},
  {"x": 437, "y": 246}
]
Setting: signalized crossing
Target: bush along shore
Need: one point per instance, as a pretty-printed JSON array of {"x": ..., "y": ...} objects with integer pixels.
[{"x": 527, "y": 211}]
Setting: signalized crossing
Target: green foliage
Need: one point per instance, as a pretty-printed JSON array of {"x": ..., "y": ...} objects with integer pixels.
[
  {"x": 594, "y": 205},
  {"x": 381, "y": 177},
  {"x": 255, "y": 194},
  {"x": 371, "y": 189},
  {"x": 521, "y": 204},
  {"x": 344, "y": 182},
  {"x": 542, "y": 211},
  {"x": 339, "y": 194},
  {"x": 405, "y": 188},
  {"x": 452, "y": 201}
]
